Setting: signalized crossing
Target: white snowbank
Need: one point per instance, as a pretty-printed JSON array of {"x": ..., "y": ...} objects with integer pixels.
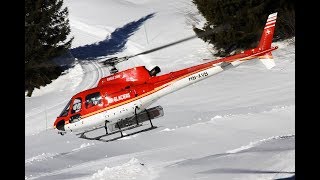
[
  {"x": 255, "y": 143},
  {"x": 279, "y": 108},
  {"x": 285, "y": 43},
  {"x": 84, "y": 145},
  {"x": 216, "y": 117},
  {"x": 41, "y": 157},
  {"x": 167, "y": 129},
  {"x": 128, "y": 137},
  {"x": 130, "y": 170}
]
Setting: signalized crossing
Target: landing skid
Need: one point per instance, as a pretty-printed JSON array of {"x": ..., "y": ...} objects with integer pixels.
[
  {"x": 116, "y": 138},
  {"x": 83, "y": 136}
]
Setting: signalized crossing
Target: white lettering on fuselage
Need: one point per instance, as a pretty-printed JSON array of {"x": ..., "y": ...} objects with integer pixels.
[
  {"x": 113, "y": 77},
  {"x": 119, "y": 98}
]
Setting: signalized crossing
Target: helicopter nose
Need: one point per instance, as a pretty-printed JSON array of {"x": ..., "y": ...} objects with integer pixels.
[{"x": 60, "y": 126}]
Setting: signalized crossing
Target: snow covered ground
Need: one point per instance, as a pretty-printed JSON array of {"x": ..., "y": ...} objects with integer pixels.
[{"x": 239, "y": 124}]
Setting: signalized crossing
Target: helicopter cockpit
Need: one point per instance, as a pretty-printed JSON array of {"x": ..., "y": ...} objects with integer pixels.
[{"x": 65, "y": 110}]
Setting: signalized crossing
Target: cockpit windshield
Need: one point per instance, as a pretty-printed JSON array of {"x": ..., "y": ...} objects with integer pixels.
[{"x": 65, "y": 110}]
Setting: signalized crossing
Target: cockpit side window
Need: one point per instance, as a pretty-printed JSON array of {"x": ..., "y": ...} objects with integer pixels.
[
  {"x": 65, "y": 110},
  {"x": 76, "y": 106},
  {"x": 93, "y": 100}
]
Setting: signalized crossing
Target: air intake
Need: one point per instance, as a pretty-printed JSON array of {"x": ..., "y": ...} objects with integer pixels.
[{"x": 154, "y": 71}]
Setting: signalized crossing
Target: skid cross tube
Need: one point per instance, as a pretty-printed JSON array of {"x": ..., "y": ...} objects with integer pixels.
[
  {"x": 149, "y": 117},
  {"x": 120, "y": 129},
  {"x": 135, "y": 114},
  {"x": 105, "y": 126}
]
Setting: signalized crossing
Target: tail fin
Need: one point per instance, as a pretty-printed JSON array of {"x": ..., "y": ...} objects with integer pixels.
[
  {"x": 267, "y": 35},
  {"x": 266, "y": 40}
]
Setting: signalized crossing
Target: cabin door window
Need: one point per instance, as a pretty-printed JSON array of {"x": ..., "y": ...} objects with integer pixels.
[
  {"x": 93, "y": 99},
  {"x": 76, "y": 106}
]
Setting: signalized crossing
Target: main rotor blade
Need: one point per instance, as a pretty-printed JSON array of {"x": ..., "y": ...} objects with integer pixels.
[
  {"x": 115, "y": 60},
  {"x": 174, "y": 43}
]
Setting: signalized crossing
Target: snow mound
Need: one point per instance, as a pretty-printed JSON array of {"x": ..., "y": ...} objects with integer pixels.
[
  {"x": 255, "y": 143},
  {"x": 167, "y": 129},
  {"x": 128, "y": 137},
  {"x": 216, "y": 117},
  {"x": 84, "y": 145},
  {"x": 41, "y": 157},
  {"x": 130, "y": 170}
]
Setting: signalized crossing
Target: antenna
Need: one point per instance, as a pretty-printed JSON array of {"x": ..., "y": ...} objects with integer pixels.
[{"x": 145, "y": 31}]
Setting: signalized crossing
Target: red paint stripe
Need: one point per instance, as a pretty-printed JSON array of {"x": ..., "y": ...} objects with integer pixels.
[
  {"x": 271, "y": 22},
  {"x": 269, "y": 26},
  {"x": 272, "y": 18}
]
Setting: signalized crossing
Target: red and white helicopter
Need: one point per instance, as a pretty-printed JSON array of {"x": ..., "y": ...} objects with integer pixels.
[{"x": 120, "y": 101}]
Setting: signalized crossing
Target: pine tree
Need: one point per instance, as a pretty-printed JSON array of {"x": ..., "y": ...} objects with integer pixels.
[
  {"x": 238, "y": 24},
  {"x": 46, "y": 36}
]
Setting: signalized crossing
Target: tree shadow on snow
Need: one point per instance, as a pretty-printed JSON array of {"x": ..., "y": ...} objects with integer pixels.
[{"x": 112, "y": 44}]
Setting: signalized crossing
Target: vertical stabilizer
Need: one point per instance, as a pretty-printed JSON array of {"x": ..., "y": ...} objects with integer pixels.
[
  {"x": 266, "y": 40},
  {"x": 267, "y": 35}
]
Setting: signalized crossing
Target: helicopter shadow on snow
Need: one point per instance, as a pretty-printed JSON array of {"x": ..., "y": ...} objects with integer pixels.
[{"x": 112, "y": 44}]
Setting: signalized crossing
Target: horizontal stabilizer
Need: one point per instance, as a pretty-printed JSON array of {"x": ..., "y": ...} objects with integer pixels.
[
  {"x": 267, "y": 60},
  {"x": 236, "y": 63}
]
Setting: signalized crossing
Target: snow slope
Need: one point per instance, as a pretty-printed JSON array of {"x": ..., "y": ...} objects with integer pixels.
[{"x": 239, "y": 124}]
